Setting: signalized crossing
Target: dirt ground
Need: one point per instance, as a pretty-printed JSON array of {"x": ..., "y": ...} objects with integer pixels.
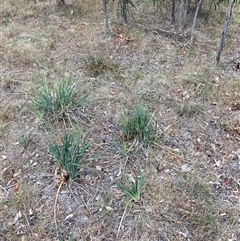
[{"x": 192, "y": 169}]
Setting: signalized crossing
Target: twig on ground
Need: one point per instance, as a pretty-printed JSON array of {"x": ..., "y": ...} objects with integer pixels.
[
  {"x": 169, "y": 150},
  {"x": 167, "y": 128},
  {"x": 160, "y": 30},
  {"x": 28, "y": 223},
  {"x": 120, "y": 224},
  {"x": 55, "y": 205},
  {"x": 85, "y": 205}
]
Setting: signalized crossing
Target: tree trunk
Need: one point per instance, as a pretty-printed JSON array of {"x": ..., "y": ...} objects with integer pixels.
[
  {"x": 173, "y": 11},
  {"x": 60, "y": 2},
  {"x": 106, "y": 13},
  {"x": 124, "y": 11},
  {"x": 195, "y": 17},
  {"x": 224, "y": 33},
  {"x": 182, "y": 16}
]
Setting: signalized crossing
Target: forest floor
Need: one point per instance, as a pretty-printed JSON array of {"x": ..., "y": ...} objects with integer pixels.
[{"x": 192, "y": 168}]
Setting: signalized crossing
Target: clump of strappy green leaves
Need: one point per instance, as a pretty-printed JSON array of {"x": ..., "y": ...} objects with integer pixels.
[
  {"x": 58, "y": 101},
  {"x": 70, "y": 153},
  {"x": 137, "y": 122},
  {"x": 134, "y": 191}
]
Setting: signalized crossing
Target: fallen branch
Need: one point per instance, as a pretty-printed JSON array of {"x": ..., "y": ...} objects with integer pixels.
[{"x": 160, "y": 30}]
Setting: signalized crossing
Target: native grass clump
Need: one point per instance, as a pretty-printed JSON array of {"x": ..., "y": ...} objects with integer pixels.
[
  {"x": 69, "y": 154},
  {"x": 137, "y": 123},
  {"x": 99, "y": 65},
  {"x": 188, "y": 109},
  {"x": 57, "y": 102}
]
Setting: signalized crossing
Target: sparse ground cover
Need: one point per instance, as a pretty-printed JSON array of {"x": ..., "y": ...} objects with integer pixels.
[{"x": 181, "y": 184}]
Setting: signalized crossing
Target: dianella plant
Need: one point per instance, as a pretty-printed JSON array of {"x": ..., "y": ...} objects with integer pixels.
[
  {"x": 69, "y": 154},
  {"x": 58, "y": 101},
  {"x": 134, "y": 190},
  {"x": 137, "y": 123}
]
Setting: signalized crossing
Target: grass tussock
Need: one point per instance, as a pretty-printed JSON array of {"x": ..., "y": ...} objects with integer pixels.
[
  {"x": 69, "y": 154},
  {"x": 188, "y": 109},
  {"x": 137, "y": 123},
  {"x": 100, "y": 65},
  {"x": 58, "y": 102}
]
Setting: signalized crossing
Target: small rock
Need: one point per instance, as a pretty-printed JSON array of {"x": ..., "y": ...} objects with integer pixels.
[
  {"x": 185, "y": 168},
  {"x": 4, "y": 157}
]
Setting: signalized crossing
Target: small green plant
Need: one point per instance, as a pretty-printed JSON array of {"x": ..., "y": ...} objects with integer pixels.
[
  {"x": 189, "y": 109},
  {"x": 25, "y": 140},
  {"x": 69, "y": 154},
  {"x": 58, "y": 101},
  {"x": 134, "y": 191},
  {"x": 99, "y": 65},
  {"x": 71, "y": 238},
  {"x": 137, "y": 123}
]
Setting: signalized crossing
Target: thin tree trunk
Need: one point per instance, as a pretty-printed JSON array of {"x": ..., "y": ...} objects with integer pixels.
[
  {"x": 224, "y": 33},
  {"x": 60, "y": 2},
  {"x": 180, "y": 15},
  {"x": 173, "y": 11},
  {"x": 186, "y": 9},
  {"x": 105, "y": 13},
  {"x": 183, "y": 14},
  {"x": 195, "y": 18},
  {"x": 124, "y": 10}
]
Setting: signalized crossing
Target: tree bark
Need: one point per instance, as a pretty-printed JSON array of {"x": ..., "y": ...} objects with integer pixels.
[
  {"x": 195, "y": 18},
  {"x": 124, "y": 11},
  {"x": 173, "y": 11},
  {"x": 60, "y": 2},
  {"x": 183, "y": 9},
  {"x": 105, "y": 13},
  {"x": 224, "y": 33}
]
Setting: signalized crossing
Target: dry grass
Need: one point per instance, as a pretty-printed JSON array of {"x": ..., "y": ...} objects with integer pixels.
[{"x": 191, "y": 170}]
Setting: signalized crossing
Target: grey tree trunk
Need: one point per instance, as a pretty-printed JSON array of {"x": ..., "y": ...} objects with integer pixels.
[
  {"x": 60, "y": 2},
  {"x": 182, "y": 15},
  {"x": 224, "y": 33},
  {"x": 124, "y": 11},
  {"x": 173, "y": 11},
  {"x": 106, "y": 13},
  {"x": 195, "y": 17}
]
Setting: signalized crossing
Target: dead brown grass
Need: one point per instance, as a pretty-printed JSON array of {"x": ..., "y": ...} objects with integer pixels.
[{"x": 192, "y": 189}]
